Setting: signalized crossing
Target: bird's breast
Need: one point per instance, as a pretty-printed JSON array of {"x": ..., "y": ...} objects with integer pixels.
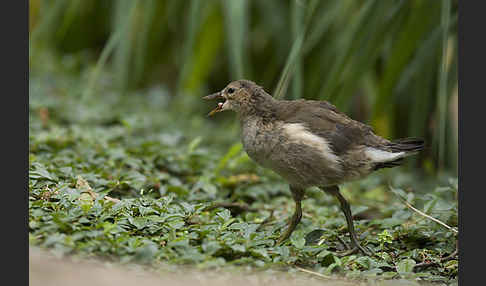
[{"x": 259, "y": 139}]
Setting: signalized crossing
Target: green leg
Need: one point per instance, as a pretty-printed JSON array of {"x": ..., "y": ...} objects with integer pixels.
[
  {"x": 334, "y": 190},
  {"x": 297, "y": 194}
]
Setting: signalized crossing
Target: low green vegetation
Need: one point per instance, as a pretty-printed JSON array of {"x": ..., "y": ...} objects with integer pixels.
[{"x": 139, "y": 179}]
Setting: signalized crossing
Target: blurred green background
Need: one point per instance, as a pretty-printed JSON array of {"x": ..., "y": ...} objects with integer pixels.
[{"x": 391, "y": 64}]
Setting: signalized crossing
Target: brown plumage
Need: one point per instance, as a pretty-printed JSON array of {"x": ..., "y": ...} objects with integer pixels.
[{"x": 309, "y": 143}]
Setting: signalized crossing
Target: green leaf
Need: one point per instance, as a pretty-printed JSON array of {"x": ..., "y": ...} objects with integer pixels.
[
  {"x": 238, "y": 247},
  {"x": 365, "y": 262},
  {"x": 225, "y": 215},
  {"x": 298, "y": 242},
  {"x": 314, "y": 236},
  {"x": 85, "y": 201},
  {"x": 405, "y": 266},
  {"x": 146, "y": 253},
  {"x": 388, "y": 274},
  {"x": 139, "y": 222},
  {"x": 232, "y": 152},
  {"x": 194, "y": 144},
  {"x": 260, "y": 252},
  {"x": 211, "y": 247},
  {"x": 40, "y": 173}
]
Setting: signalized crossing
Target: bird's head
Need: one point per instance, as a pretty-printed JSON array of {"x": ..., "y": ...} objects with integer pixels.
[{"x": 242, "y": 96}]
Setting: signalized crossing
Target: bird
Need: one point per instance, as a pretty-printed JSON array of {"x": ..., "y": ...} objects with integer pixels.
[{"x": 309, "y": 143}]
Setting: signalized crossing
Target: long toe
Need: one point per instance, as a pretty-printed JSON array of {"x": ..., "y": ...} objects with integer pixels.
[
  {"x": 365, "y": 251},
  {"x": 358, "y": 246},
  {"x": 356, "y": 249},
  {"x": 284, "y": 236},
  {"x": 347, "y": 252},
  {"x": 281, "y": 239}
]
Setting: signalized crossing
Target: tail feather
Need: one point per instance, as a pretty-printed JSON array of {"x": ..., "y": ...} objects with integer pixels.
[
  {"x": 409, "y": 146},
  {"x": 391, "y": 164},
  {"x": 406, "y": 144}
]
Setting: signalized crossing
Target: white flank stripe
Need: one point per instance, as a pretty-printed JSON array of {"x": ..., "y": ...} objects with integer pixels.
[
  {"x": 300, "y": 135},
  {"x": 377, "y": 155}
]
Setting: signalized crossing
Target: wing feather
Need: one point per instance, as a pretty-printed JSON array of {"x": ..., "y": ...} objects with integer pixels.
[{"x": 324, "y": 120}]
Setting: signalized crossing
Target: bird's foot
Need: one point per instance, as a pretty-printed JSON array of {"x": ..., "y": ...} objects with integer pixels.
[
  {"x": 343, "y": 243},
  {"x": 283, "y": 237},
  {"x": 347, "y": 252},
  {"x": 355, "y": 249}
]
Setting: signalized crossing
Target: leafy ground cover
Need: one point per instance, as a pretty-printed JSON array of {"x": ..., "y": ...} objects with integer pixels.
[{"x": 146, "y": 178}]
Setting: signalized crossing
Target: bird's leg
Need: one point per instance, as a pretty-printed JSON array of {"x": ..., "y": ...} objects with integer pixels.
[
  {"x": 334, "y": 190},
  {"x": 297, "y": 194}
]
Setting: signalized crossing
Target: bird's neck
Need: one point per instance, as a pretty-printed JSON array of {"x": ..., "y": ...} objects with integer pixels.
[{"x": 265, "y": 110}]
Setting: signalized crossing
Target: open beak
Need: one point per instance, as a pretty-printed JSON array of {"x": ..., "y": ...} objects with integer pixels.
[{"x": 216, "y": 95}]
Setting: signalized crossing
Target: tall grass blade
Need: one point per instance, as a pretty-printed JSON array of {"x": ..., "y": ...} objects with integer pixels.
[
  {"x": 45, "y": 26},
  {"x": 343, "y": 50},
  {"x": 68, "y": 17},
  {"x": 149, "y": 12},
  {"x": 113, "y": 41},
  {"x": 366, "y": 47},
  {"x": 110, "y": 48},
  {"x": 194, "y": 18},
  {"x": 125, "y": 16},
  {"x": 297, "y": 28},
  {"x": 282, "y": 85},
  {"x": 442, "y": 89},
  {"x": 235, "y": 17},
  {"x": 418, "y": 24},
  {"x": 325, "y": 17},
  {"x": 208, "y": 43}
]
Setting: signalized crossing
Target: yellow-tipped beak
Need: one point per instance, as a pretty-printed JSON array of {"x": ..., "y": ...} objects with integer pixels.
[{"x": 217, "y": 109}]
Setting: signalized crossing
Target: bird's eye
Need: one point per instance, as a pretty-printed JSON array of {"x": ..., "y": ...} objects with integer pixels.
[{"x": 231, "y": 90}]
